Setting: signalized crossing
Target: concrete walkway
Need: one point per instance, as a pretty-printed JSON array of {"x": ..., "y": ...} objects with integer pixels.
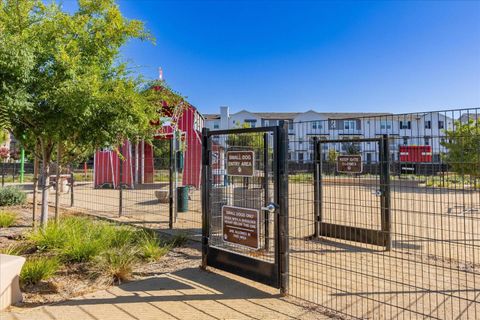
[{"x": 185, "y": 294}]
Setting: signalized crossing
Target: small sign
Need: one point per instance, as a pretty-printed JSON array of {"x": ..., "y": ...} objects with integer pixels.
[
  {"x": 349, "y": 164},
  {"x": 240, "y": 226},
  {"x": 240, "y": 163}
]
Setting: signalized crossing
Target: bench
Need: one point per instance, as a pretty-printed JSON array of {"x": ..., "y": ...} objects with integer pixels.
[{"x": 10, "y": 267}]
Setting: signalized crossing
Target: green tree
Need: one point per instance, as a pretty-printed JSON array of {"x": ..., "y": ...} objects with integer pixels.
[
  {"x": 61, "y": 81},
  {"x": 463, "y": 148}
]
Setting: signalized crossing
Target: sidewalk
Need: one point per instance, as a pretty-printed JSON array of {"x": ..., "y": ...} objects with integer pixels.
[{"x": 185, "y": 294}]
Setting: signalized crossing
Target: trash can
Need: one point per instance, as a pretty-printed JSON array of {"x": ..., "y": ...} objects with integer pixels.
[{"x": 182, "y": 199}]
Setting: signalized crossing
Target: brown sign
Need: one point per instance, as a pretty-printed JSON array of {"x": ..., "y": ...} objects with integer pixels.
[
  {"x": 349, "y": 164},
  {"x": 240, "y": 163},
  {"x": 240, "y": 226}
]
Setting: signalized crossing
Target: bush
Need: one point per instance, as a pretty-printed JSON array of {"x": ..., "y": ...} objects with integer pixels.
[
  {"x": 38, "y": 269},
  {"x": 117, "y": 263},
  {"x": 79, "y": 249},
  {"x": 7, "y": 219},
  {"x": 11, "y": 196},
  {"x": 53, "y": 236},
  {"x": 151, "y": 248},
  {"x": 15, "y": 249},
  {"x": 179, "y": 240}
]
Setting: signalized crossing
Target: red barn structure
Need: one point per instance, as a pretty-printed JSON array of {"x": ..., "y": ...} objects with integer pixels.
[{"x": 139, "y": 165}]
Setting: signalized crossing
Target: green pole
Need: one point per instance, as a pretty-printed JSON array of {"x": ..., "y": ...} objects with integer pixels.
[{"x": 22, "y": 164}]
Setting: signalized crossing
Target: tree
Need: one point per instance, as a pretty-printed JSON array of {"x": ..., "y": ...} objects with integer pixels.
[
  {"x": 463, "y": 148},
  {"x": 61, "y": 81}
]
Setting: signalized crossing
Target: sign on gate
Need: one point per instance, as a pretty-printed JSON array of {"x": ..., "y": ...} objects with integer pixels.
[
  {"x": 240, "y": 163},
  {"x": 349, "y": 163},
  {"x": 240, "y": 226}
]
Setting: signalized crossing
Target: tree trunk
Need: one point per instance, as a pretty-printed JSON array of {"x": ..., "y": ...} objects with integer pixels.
[
  {"x": 35, "y": 188},
  {"x": 45, "y": 185},
  {"x": 57, "y": 184}
]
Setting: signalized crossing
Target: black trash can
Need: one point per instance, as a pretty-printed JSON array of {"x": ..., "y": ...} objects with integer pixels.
[{"x": 182, "y": 199}]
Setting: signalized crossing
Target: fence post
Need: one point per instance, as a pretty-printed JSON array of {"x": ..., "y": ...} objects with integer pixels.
[
  {"x": 72, "y": 180},
  {"x": 266, "y": 189},
  {"x": 316, "y": 187},
  {"x": 205, "y": 193},
  {"x": 385, "y": 188},
  {"x": 120, "y": 188},
  {"x": 171, "y": 171},
  {"x": 282, "y": 180}
]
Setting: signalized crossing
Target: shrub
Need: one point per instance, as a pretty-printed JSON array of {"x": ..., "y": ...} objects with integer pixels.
[
  {"x": 117, "y": 263},
  {"x": 38, "y": 269},
  {"x": 11, "y": 196},
  {"x": 7, "y": 219},
  {"x": 15, "y": 249},
  {"x": 151, "y": 248},
  {"x": 53, "y": 236},
  {"x": 179, "y": 240},
  {"x": 80, "y": 249}
]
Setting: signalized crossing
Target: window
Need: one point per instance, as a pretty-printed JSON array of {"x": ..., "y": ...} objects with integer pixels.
[
  {"x": 349, "y": 125},
  {"x": 385, "y": 125},
  {"x": 405, "y": 125},
  {"x": 441, "y": 125},
  {"x": 316, "y": 125},
  {"x": 290, "y": 125},
  {"x": 428, "y": 124},
  {"x": 216, "y": 125},
  {"x": 405, "y": 141},
  {"x": 427, "y": 141},
  {"x": 251, "y": 122}
]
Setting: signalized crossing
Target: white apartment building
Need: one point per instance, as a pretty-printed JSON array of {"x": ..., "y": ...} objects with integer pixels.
[{"x": 420, "y": 129}]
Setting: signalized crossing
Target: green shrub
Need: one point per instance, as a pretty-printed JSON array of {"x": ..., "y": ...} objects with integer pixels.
[
  {"x": 53, "y": 236},
  {"x": 7, "y": 219},
  {"x": 15, "y": 249},
  {"x": 38, "y": 269},
  {"x": 179, "y": 240},
  {"x": 117, "y": 263},
  {"x": 11, "y": 196},
  {"x": 151, "y": 248},
  {"x": 79, "y": 249}
]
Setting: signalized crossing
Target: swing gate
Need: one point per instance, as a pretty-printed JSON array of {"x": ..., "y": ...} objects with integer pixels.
[
  {"x": 364, "y": 220},
  {"x": 245, "y": 203}
]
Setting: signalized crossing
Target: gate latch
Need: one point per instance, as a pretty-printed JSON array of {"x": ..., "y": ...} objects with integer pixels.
[
  {"x": 377, "y": 192},
  {"x": 270, "y": 207}
]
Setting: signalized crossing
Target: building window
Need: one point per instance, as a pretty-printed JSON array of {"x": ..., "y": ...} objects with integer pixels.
[
  {"x": 427, "y": 141},
  {"x": 405, "y": 141},
  {"x": 385, "y": 125},
  {"x": 251, "y": 122},
  {"x": 216, "y": 125},
  {"x": 405, "y": 125},
  {"x": 349, "y": 125},
  {"x": 316, "y": 125},
  {"x": 441, "y": 125},
  {"x": 428, "y": 124},
  {"x": 290, "y": 125}
]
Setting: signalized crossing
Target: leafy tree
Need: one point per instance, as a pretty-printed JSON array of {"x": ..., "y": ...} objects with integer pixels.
[
  {"x": 463, "y": 145},
  {"x": 61, "y": 81}
]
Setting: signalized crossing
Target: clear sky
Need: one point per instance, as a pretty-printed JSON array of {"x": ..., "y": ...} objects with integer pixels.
[{"x": 390, "y": 56}]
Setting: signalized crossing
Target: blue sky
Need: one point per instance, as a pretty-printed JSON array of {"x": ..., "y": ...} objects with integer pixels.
[{"x": 327, "y": 56}]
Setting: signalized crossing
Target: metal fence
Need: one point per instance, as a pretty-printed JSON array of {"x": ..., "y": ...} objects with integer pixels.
[
  {"x": 157, "y": 190},
  {"x": 395, "y": 236}
]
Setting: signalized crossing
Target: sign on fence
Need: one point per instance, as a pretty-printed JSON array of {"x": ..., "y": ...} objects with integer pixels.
[
  {"x": 349, "y": 164},
  {"x": 240, "y": 226},
  {"x": 240, "y": 163}
]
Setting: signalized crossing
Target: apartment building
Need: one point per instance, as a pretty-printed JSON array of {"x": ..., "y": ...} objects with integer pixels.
[{"x": 419, "y": 129}]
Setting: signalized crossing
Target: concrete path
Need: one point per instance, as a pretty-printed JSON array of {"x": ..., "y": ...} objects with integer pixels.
[{"x": 185, "y": 294}]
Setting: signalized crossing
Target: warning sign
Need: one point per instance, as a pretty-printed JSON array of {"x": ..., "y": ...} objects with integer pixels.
[
  {"x": 240, "y": 226},
  {"x": 349, "y": 164},
  {"x": 240, "y": 163}
]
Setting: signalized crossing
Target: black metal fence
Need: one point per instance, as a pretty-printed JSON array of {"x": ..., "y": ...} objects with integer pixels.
[
  {"x": 155, "y": 185},
  {"x": 397, "y": 237}
]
